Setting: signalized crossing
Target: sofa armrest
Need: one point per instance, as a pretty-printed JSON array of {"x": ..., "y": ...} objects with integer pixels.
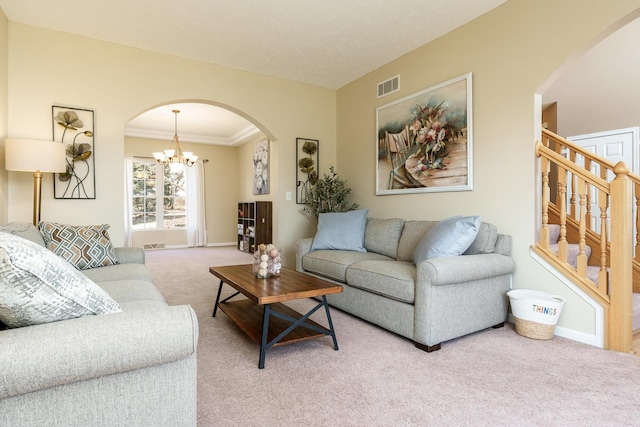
[
  {"x": 129, "y": 255},
  {"x": 303, "y": 247},
  {"x": 465, "y": 268},
  {"x": 455, "y": 296},
  {"x": 52, "y": 354}
]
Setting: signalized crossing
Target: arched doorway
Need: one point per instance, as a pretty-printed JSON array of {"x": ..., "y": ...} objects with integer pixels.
[{"x": 213, "y": 132}]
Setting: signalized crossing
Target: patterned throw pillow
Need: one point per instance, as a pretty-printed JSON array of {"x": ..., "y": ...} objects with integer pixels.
[
  {"x": 36, "y": 286},
  {"x": 83, "y": 246}
]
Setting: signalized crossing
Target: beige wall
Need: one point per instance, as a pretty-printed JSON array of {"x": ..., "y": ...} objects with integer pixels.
[
  {"x": 599, "y": 90},
  {"x": 511, "y": 52},
  {"x": 119, "y": 83},
  {"x": 4, "y": 99},
  {"x": 221, "y": 191}
]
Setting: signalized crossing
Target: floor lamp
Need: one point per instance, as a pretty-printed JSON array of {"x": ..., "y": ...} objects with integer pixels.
[{"x": 31, "y": 155}]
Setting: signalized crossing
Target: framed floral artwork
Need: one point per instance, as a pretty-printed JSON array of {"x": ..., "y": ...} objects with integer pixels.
[
  {"x": 307, "y": 168},
  {"x": 425, "y": 140},
  {"x": 73, "y": 127},
  {"x": 261, "y": 167}
]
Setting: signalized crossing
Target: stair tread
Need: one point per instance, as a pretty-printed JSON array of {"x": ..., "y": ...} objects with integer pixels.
[{"x": 573, "y": 250}]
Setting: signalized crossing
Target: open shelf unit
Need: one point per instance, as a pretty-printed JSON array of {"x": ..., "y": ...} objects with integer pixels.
[{"x": 254, "y": 225}]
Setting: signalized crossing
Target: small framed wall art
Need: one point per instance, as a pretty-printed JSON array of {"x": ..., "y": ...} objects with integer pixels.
[
  {"x": 261, "y": 167},
  {"x": 307, "y": 168},
  {"x": 74, "y": 128}
]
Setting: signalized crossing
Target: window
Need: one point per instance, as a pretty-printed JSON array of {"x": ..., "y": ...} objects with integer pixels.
[{"x": 151, "y": 210}]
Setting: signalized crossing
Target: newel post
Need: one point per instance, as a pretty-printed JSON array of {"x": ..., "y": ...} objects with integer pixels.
[{"x": 619, "y": 327}]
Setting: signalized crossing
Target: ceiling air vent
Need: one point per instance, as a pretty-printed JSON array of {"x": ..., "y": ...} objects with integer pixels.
[{"x": 389, "y": 86}]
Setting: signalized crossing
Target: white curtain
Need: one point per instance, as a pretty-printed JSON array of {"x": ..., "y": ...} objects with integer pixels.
[
  {"x": 128, "y": 201},
  {"x": 196, "y": 223}
]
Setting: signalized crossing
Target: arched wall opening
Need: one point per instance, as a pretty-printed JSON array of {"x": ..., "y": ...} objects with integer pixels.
[{"x": 219, "y": 134}]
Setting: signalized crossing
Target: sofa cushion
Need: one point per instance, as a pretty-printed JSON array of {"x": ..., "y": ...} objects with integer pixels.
[
  {"x": 83, "y": 246},
  {"x": 333, "y": 263},
  {"x": 25, "y": 230},
  {"x": 485, "y": 241},
  {"x": 39, "y": 287},
  {"x": 392, "y": 279},
  {"x": 118, "y": 272},
  {"x": 382, "y": 236},
  {"x": 449, "y": 237},
  {"x": 132, "y": 290},
  {"x": 412, "y": 233},
  {"x": 341, "y": 231}
]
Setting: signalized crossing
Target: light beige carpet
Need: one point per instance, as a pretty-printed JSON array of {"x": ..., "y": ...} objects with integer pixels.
[{"x": 492, "y": 378}]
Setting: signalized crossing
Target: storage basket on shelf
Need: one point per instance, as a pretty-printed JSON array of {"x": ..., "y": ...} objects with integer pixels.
[{"x": 536, "y": 313}]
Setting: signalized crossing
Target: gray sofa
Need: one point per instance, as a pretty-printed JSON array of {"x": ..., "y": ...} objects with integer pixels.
[
  {"x": 435, "y": 301},
  {"x": 134, "y": 368}
]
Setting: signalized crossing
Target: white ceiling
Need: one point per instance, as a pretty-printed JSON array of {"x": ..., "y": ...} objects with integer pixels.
[
  {"x": 327, "y": 43},
  {"x": 201, "y": 123}
]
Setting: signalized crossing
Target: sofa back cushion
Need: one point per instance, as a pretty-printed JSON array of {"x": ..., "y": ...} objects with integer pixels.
[
  {"x": 382, "y": 236},
  {"x": 485, "y": 242},
  {"x": 25, "y": 230},
  {"x": 412, "y": 233}
]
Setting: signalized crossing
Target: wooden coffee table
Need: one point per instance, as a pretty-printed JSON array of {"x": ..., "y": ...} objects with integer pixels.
[{"x": 262, "y": 315}]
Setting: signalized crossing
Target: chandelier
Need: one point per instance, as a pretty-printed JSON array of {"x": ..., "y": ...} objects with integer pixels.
[{"x": 175, "y": 157}]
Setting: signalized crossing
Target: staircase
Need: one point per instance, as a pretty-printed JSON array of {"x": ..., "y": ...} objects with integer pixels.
[
  {"x": 580, "y": 189},
  {"x": 573, "y": 251}
]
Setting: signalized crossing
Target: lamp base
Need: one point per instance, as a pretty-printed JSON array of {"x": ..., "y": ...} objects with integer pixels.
[{"x": 37, "y": 196}]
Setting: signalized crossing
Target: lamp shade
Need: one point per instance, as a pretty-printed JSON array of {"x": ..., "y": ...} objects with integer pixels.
[{"x": 31, "y": 155}]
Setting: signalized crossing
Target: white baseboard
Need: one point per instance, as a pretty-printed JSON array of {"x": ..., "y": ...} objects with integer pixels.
[
  {"x": 208, "y": 245},
  {"x": 223, "y": 244},
  {"x": 574, "y": 335}
]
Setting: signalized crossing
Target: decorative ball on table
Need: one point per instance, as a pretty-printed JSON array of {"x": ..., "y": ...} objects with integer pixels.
[{"x": 267, "y": 261}]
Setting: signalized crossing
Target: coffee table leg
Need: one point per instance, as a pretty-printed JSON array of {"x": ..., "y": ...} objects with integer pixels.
[
  {"x": 215, "y": 307},
  {"x": 333, "y": 332},
  {"x": 265, "y": 333}
]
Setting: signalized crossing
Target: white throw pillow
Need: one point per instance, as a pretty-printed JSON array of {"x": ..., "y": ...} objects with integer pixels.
[
  {"x": 341, "y": 231},
  {"x": 449, "y": 237},
  {"x": 37, "y": 286}
]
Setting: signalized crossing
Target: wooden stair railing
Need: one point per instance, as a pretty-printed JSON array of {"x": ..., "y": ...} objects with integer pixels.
[{"x": 567, "y": 176}]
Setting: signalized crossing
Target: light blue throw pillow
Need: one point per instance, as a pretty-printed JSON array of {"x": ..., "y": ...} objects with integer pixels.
[
  {"x": 341, "y": 231},
  {"x": 449, "y": 237}
]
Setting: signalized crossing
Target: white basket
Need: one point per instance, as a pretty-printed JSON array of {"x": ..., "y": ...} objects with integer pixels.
[{"x": 536, "y": 312}]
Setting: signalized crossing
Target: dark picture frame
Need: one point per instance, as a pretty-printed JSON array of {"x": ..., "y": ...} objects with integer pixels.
[
  {"x": 307, "y": 151},
  {"x": 74, "y": 127}
]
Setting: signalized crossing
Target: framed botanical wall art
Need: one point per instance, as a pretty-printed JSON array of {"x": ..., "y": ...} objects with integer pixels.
[
  {"x": 307, "y": 168},
  {"x": 74, "y": 128},
  {"x": 425, "y": 140},
  {"x": 261, "y": 167}
]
